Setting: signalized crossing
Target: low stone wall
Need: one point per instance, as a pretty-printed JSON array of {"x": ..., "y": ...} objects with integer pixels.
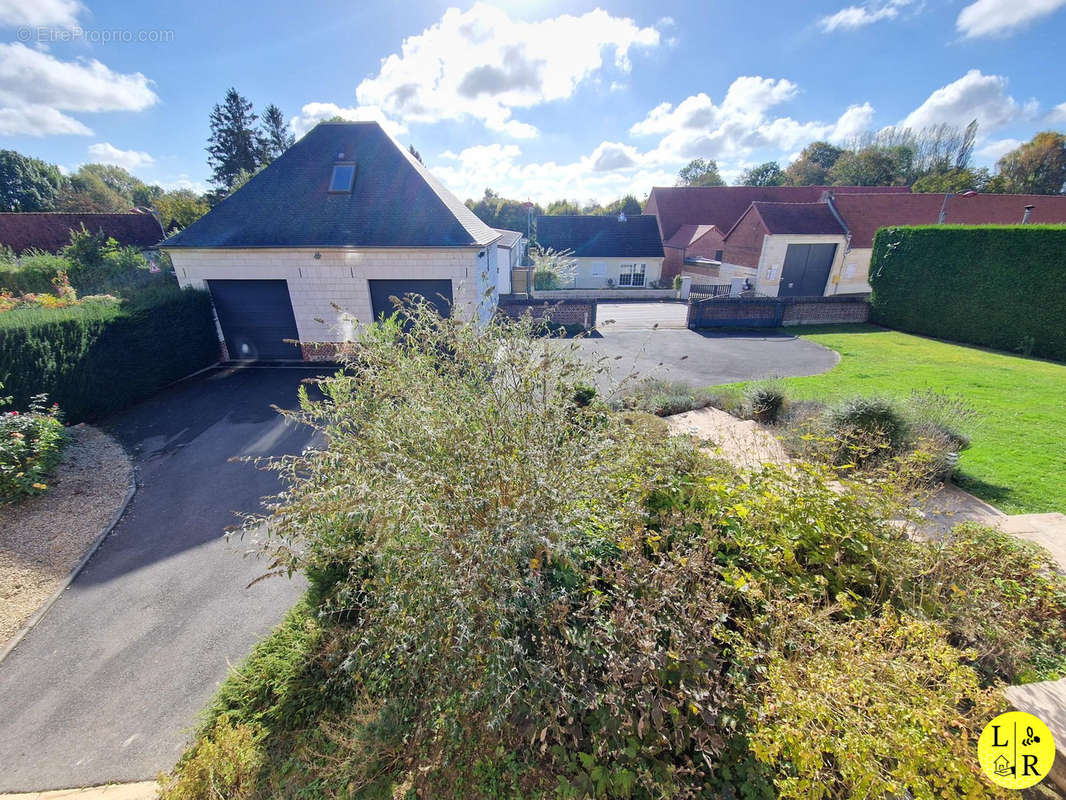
[
  {"x": 606, "y": 295},
  {"x": 562, "y": 312},
  {"x": 776, "y": 312}
]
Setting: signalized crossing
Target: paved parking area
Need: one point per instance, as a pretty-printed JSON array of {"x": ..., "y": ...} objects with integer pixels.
[
  {"x": 700, "y": 358},
  {"x": 107, "y": 687}
]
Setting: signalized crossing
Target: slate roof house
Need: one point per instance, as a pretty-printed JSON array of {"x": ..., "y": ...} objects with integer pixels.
[
  {"x": 511, "y": 248},
  {"x": 694, "y": 220},
  {"x": 623, "y": 252},
  {"x": 50, "y": 231},
  {"x": 346, "y": 218}
]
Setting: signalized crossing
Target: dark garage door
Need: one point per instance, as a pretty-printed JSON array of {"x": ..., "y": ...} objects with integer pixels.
[
  {"x": 256, "y": 318},
  {"x": 439, "y": 293},
  {"x": 806, "y": 270}
]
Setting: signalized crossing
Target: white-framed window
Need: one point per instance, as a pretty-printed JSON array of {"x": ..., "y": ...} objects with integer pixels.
[{"x": 632, "y": 274}]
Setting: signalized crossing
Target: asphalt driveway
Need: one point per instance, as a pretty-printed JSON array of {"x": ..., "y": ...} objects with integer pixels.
[
  {"x": 108, "y": 685},
  {"x": 701, "y": 358}
]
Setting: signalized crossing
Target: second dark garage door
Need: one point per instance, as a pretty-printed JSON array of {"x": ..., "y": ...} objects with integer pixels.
[
  {"x": 256, "y": 318},
  {"x": 806, "y": 270},
  {"x": 439, "y": 293}
]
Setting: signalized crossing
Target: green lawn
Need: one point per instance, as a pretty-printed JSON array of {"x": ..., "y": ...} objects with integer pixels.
[{"x": 1018, "y": 458}]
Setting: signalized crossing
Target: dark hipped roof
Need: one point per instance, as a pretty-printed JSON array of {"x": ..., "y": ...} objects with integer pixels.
[
  {"x": 394, "y": 202},
  {"x": 507, "y": 238},
  {"x": 50, "y": 231},
  {"x": 865, "y": 213},
  {"x": 802, "y": 218},
  {"x": 722, "y": 206},
  {"x": 603, "y": 237}
]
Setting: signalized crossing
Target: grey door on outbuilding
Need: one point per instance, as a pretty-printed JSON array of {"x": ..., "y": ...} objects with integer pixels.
[
  {"x": 806, "y": 270},
  {"x": 256, "y": 318},
  {"x": 438, "y": 293}
]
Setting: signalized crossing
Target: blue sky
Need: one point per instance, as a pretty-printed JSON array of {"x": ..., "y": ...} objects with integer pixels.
[{"x": 538, "y": 99}]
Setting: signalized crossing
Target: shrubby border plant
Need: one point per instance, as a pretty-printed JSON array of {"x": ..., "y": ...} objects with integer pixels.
[{"x": 517, "y": 592}]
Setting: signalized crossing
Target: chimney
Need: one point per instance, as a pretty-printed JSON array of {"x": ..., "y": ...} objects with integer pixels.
[
  {"x": 622, "y": 217},
  {"x": 1028, "y": 213}
]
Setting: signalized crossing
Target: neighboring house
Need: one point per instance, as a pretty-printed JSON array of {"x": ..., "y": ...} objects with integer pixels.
[
  {"x": 50, "y": 231},
  {"x": 324, "y": 237},
  {"x": 716, "y": 209},
  {"x": 511, "y": 247},
  {"x": 787, "y": 249},
  {"x": 825, "y": 247},
  {"x": 623, "y": 252}
]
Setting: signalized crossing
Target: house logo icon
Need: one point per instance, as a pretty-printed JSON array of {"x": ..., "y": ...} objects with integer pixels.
[{"x": 1016, "y": 750}]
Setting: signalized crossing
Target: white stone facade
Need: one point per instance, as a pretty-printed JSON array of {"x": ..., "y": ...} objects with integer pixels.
[{"x": 321, "y": 278}]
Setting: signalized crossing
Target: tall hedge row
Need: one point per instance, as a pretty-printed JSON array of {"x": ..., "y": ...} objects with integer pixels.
[
  {"x": 996, "y": 286},
  {"x": 95, "y": 359}
]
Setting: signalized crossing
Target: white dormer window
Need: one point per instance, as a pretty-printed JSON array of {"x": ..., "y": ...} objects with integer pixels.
[{"x": 343, "y": 177}]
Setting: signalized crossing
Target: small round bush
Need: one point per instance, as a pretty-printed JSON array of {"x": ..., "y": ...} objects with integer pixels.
[
  {"x": 765, "y": 402},
  {"x": 876, "y": 417}
]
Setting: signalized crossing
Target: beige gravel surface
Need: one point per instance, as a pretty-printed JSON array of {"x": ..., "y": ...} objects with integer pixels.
[
  {"x": 145, "y": 790},
  {"x": 42, "y": 538}
]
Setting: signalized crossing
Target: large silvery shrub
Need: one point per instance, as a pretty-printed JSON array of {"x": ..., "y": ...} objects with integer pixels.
[{"x": 518, "y": 592}]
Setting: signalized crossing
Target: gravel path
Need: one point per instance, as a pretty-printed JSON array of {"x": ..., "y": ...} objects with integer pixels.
[{"x": 43, "y": 537}]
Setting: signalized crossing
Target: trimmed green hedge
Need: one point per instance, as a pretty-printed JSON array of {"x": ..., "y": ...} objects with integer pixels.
[
  {"x": 97, "y": 358},
  {"x": 998, "y": 286}
]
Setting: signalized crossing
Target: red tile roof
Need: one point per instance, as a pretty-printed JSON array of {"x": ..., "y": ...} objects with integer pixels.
[
  {"x": 688, "y": 234},
  {"x": 865, "y": 213},
  {"x": 50, "y": 231},
  {"x": 722, "y": 206}
]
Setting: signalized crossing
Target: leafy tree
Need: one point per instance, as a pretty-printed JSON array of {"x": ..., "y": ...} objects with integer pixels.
[
  {"x": 276, "y": 134},
  {"x": 27, "y": 184},
  {"x": 558, "y": 208},
  {"x": 628, "y": 205},
  {"x": 956, "y": 181},
  {"x": 180, "y": 207},
  {"x": 768, "y": 173},
  {"x": 1037, "y": 167},
  {"x": 871, "y": 166},
  {"x": 501, "y": 212},
  {"x": 235, "y": 145},
  {"x": 87, "y": 191},
  {"x": 700, "y": 172},
  {"x": 813, "y": 165},
  {"x": 415, "y": 153}
]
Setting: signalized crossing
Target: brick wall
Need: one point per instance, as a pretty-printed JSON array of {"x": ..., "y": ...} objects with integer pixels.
[
  {"x": 562, "y": 312},
  {"x": 773, "y": 312},
  {"x": 745, "y": 241},
  {"x": 817, "y": 312}
]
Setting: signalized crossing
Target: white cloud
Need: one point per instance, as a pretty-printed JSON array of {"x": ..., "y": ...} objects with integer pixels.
[
  {"x": 36, "y": 88},
  {"x": 34, "y": 120},
  {"x": 1057, "y": 115},
  {"x": 973, "y": 96},
  {"x": 60, "y": 13},
  {"x": 313, "y": 113},
  {"x": 697, "y": 127},
  {"x": 482, "y": 64},
  {"x": 183, "y": 181},
  {"x": 107, "y": 153},
  {"x": 855, "y": 120},
  {"x": 1001, "y": 17},
  {"x": 470, "y": 171},
  {"x": 998, "y": 148},
  {"x": 852, "y": 17}
]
